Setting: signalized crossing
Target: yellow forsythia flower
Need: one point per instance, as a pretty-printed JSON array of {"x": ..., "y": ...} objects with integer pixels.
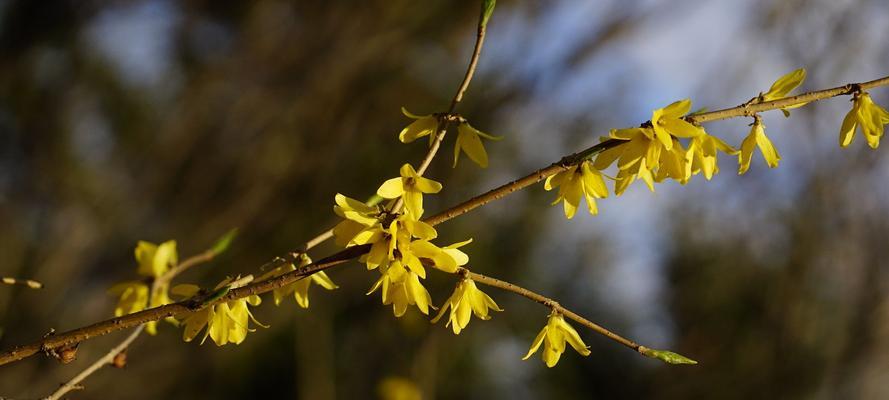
[
  {"x": 702, "y": 152},
  {"x": 300, "y": 288},
  {"x": 466, "y": 300},
  {"x": 668, "y": 121},
  {"x": 757, "y": 138},
  {"x": 574, "y": 182},
  {"x": 783, "y": 86},
  {"x": 133, "y": 297},
  {"x": 424, "y": 125},
  {"x": 866, "y": 115},
  {"x": 553, "y": 337},
  {"x": 411, "y": 187},
  {"x": 226, "y": 322},
  {"x": 675, "y": 164},
  {"x": 401, "y": 287},
  {"x": 154, "y": 260},
  {"x": 357, "y": 217},
  {"x": 469, "y": 140}
]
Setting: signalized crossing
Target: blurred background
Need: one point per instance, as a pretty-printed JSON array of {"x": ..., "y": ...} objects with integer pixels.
[{"x": 154, "y": 120}]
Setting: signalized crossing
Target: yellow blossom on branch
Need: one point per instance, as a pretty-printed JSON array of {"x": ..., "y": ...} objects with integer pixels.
[
  {"x": 783, "y": 86},
  {"x": 411, "y": 187},
  {"x": 466, "y": 300},
  {"x": 574, "y": 182},
  {"x": 668, "y": 121},
  {"x": 639, "y": 157},
  {"x": 300, "y": 288},
  {"x": 424, "y": 125},
  {"x": 133, "y": 297},
  {"x": 154, "y": 260},
  {"x": 469, "y": 140},
  {"x": 867, "y": 116},
  {"x": 553, "y": 338},
  {"x": 226, "y": 322},
  {"x": 757, "y": 138},
  {"x": 401, "y": 288},
  {"x": 702, "y": 152},
  {"x": 674, "y": 164}
]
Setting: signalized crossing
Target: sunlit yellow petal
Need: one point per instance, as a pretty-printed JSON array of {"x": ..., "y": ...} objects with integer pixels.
[
  {"x": 391, "y": 189},
  {"x": 785, "y": 84},
  {"x": 537, "y": 342},
  {"x": 426, "y": 185},
  {"x": 472, "y": 145},
  {"x": 768, "y": 150}
]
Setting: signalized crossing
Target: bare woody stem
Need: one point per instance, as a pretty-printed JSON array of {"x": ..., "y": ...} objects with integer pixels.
[
  {"x": 108, "y": 358},
  {"x": 546, "y": 301},
  {"x": 157, "y": 313},
  {"x": 440, "y": 135},
  {"x": 458, "y": 97}
]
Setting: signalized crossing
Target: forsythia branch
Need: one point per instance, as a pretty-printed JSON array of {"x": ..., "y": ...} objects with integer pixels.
[
  {"x": 154, "y": 314},
  {"x": 573, "y": 159},
  {"x": 163, "y": 280}
]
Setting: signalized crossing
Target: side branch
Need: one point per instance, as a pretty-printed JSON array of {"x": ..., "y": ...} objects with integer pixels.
[
  {"x": 546, "y": 301},
  {"x": 107, "y": 359}
]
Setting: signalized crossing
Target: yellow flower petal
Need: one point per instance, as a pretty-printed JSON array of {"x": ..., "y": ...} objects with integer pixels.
[
  {"x": 537, "y": 342},
  {"x": 391, "y": 188},
  {"x": 471, "y": 144},
  {"x": 426, "y": 185},
  {"x": 681, "y": 128},
  {"x": 424, "y": 126},
  {"x": 677, "y": 108},
  {"x": 765, "y": 146},
  {"x": 785, "y": 84}
]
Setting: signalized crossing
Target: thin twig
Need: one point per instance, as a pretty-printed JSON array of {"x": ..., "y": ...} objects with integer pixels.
[
  {"x": 464, "y": 85},
  {"x": 157, "y": 313},
  {"x": 163, "y": 280},
  {"x": 107, "y": 359},
  {"x": 29, "y": 283},
  {"x": 440, "y": 135},
  {"x": 546, "y": 301}
]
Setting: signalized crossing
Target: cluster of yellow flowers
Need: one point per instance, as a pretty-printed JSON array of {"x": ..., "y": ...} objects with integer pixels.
[
  {"x": 400, "y": 242},
  {"x": 226, "y": 322},
  {"x": 395, "y": 250},
  {"x": 154, "y": 261},
  {"x": 654, "y": 151},
  {"x": 868, "y": 117}
]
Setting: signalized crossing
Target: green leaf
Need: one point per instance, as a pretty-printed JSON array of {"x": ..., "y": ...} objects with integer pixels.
[
  {"x": 374, "y": 200},
  {"x": 487, "y": 10},
  {"x": 668, "y": 357},
  {"x": 222, "y": 244},
  {"x": 216, "y": 295}
]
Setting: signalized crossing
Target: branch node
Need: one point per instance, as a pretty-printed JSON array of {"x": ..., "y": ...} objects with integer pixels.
[{"x": 63, "y": 354}]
